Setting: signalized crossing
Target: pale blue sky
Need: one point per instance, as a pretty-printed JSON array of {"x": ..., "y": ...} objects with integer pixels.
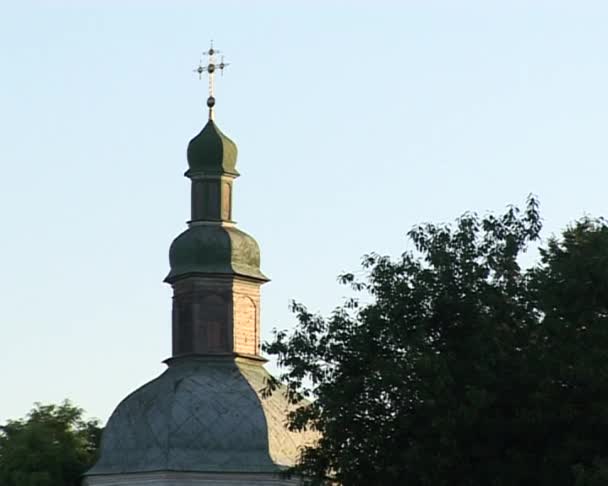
[{"x": 354, "y": 121}]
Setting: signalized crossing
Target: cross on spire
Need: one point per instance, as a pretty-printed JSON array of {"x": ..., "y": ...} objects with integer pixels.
[{"x": 211, "y": 67}]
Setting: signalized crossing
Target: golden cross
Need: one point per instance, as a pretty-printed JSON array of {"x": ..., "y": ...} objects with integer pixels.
[{"x": 211, "y": 67}]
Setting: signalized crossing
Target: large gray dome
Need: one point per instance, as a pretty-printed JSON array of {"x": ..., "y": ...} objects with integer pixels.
[{"x": 200, "y": 415}]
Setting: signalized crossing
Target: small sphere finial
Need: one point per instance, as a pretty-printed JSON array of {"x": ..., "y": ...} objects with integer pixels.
[{"x": 211, "y": 67}]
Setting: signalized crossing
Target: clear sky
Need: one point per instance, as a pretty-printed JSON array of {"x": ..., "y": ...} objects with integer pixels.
[{"x": 354, "y": 121}]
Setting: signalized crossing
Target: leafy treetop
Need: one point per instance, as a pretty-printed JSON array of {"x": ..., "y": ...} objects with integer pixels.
[
  {"x": 53, "y": 446},
  {"x": 463, "y": 368}
]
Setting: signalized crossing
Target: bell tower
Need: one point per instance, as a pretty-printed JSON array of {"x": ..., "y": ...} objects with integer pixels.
[
  {"x": 215, "y": 267},
  {"x": 205, "y": 420}
]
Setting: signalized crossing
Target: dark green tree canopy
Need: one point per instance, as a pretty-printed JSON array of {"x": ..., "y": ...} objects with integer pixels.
[
  {"x": 52, "y": 446},
  {"x": 458, "y": 367}
]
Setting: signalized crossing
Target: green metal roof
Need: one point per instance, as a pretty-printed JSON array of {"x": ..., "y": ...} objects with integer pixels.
[
  {"x": 212, "y": 249},
  {"x": 201, "y": 415},
  {"x": 211, "y": 152}
]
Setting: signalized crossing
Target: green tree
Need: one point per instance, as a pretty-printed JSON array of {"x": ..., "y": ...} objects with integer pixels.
[
  {"x": 52, "y": 446},
  {"x": 456, "y": 366}
]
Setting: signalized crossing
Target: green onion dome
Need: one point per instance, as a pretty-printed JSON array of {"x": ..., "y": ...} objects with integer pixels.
[
  {"x": 214, "y": 249},
  {"x": 211, "y": 152}
]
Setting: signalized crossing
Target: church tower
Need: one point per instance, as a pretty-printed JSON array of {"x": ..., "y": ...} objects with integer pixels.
[
  {"x": 215, "y": 267},
  {"x": 204, "y": 420}
]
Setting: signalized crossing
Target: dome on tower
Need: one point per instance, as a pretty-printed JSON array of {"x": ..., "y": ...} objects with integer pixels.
[
  {"x": 211, "y": 152},
  {"x": 214, "y": 249}
]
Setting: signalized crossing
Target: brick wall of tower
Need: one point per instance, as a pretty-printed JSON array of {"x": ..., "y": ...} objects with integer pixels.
[
  {"x": 246, "y": 320},
  {"x": 202, "y": 316},
  {"x": 216, "y": 315}
]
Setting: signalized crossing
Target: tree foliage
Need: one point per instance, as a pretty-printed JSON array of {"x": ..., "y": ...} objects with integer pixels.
[
  {"x": 456, "y": 366},
  {"x": 52, "y": 446}
]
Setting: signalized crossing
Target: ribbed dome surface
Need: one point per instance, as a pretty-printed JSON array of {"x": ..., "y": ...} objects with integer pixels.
[
  {"x": 213, "y": 249},
  {"x": 200, "y": 415},
  {"x": 211, "y": 152}
]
